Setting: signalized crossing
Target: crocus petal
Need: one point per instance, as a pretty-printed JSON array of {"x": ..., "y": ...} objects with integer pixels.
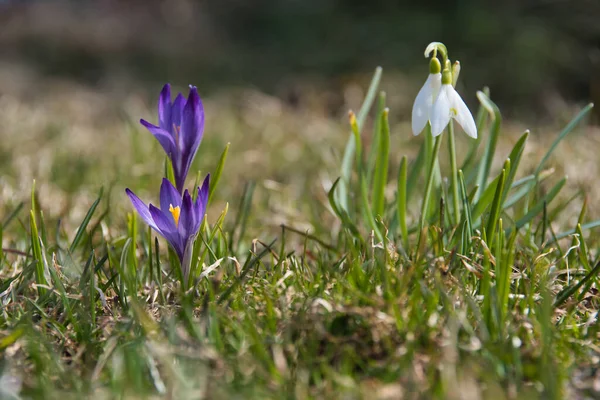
[
  {"x": 463, "y": 116},
  {"x": 164, "y": 108},
  {"x": 167, "y": 227},
  {"x": 440, "y": 113},
  {"x": 169, "y": 196},
  {"x": 176, "y": 113},
  {"x": 192, "y": 127},
  {"x": 164, "y": 138},
  {"x": 202, "y": 199},
  {"x": 424, "y": 101},
  {"x": 142, "y": 209},
  {"x": 163, "y": 220},
  {"x": 188, "y": 219}
]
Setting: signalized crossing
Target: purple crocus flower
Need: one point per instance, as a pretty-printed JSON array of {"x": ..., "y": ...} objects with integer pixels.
[
  {"x": 179, "y": 130},
  {"x": 178, "y": 219}
]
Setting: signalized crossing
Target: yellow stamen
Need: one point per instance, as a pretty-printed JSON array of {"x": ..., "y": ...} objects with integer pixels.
[{"x": 175, "y": 211}]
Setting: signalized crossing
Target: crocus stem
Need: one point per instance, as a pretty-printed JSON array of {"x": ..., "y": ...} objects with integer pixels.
[
  {"x": 428, "y": 187},
  {"x": 454, "y": 171}
]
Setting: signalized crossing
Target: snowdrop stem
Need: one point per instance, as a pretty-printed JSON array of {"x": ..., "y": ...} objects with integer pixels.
[
  {"x": 454, "y": 172},
  {"x": 431, "y": 159},
  {"x": 428, "y": 187}
]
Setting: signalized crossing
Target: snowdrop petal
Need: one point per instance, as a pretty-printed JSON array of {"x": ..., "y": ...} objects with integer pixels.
[
  {"x": 440, "y": 113},
  {"x": 462, "y": 114},
  {"x": 423, "y": 102}
]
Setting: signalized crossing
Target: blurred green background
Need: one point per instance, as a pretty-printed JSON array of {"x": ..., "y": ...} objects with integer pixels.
[{"x": 534, "y": 55}]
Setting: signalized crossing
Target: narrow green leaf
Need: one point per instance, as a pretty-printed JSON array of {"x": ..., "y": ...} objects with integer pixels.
[
  {"x": 1, "y": 249},
  {"x": 503, "y": 271},
  {"x": 364, "y": 195},
  {"x": 402, "y": 199},
  {"x": 494, "y": 215},
  {"x": 583, "y": 251},
  {"x": 341, "y": 214},
  {"x": 415, "y": 171},
  {"x": 214, "y": 179},
  {"x": 515, "y": 160},
  {"x": 468, "y": 234},
  {"x": 485, "y": 164},
  {"x": 570, "y": 126},
  {"x": 381, "y": 168},
  {"x": 375, "y": 140},
  {"x": 584, "y": 227},
  {"x": 564, "y": 294},
  {"x": 348, "y": 159},
  {"x": 36, "y": 249},
  {"x": 12, "y": 215},
  {"x": 241, "y": 218},
  {"x": 86, "y": 220},
  {"x": 485, "y": 200},
  {"x": 480, "y": 122},
  {"x": 539, "y": 206}
]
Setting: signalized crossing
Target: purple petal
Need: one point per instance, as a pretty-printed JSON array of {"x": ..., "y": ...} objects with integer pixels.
[
  {"x": 188, "y": 219},
  {"x": 177, "y": 111},
  {"x": 202, "y": 199},
  {"x": 191, "y": 131},
  {"x": 192, "y": 125},
  {"x": 164, "y": 108},
  {"x": 167, "y": 227},
  {"x": 164, "y": 138},
  {"x": 142, "y": 209},
  {"x": 168, "y": 196},
  {"x": 163, "y": 220}
]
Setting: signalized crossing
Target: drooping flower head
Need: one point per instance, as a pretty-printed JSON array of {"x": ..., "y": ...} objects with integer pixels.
[
  {"x": 450, "y": 105},
  {"x": 179, "y": 218},
  {"x": 423, "y": 104},
  {"x": 179, "y": 130},
  {"x": 438, "y": 101}
]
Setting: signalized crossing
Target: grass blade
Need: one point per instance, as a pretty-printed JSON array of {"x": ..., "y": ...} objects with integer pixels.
[
  {"x": 496, "y": 204},
  {"x": 486, "y": 161},
  {"x": 515, "y": 160},
  {"x": 84, "y": 223},
  {"x": 480, "y": 121},
  {"x": 381, "y": 168},
  {"x": 468, "y": 234},
  {"x": 36, "y": 249},
  {"x": 570, "y": 126},
  {"x": 564, "y": 294},
  {"x": 539, "y": 206},
  {"x": 364, "y": 195},
  {"x": 214, "y": 179},
  {"x": 401, "y": 203},
  {"x": 415, "y": 171},
  {"x": 348, "y": 159}
]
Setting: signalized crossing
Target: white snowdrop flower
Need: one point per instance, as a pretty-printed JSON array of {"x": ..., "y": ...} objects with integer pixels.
[
  {"x": 422, "y": 107},
  {"x": 447, "y": 105}
]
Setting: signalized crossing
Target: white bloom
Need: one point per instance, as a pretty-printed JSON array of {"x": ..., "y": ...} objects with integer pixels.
[
  {"x": 422, "y": 107},
  {"x": 450, "y": 105}
]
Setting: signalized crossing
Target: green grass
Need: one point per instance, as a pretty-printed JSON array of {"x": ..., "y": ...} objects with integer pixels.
[{"x": 298, "y": 291}]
